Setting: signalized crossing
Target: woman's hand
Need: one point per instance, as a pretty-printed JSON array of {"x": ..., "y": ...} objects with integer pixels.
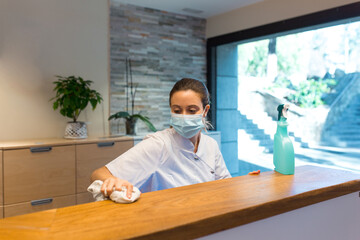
[
  {"x": 110, "y": 182},
  {"x": 113, "y": 183}
]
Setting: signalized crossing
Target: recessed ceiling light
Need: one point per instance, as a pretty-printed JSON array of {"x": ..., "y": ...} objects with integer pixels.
[{"x": 192, "y": 11}]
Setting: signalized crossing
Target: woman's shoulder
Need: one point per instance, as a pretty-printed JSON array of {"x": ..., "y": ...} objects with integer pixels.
[
  {"x": 162, "y": 135},
  {"x": 207, "y": 138},
  {"x": 209, "y": 142},
  {"x": 158, "y": 142}
]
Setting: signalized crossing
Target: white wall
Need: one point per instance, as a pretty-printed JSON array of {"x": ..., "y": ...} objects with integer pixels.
[
  {"x": 43, "y": 38},
  {"x": 265, "y": 12}
]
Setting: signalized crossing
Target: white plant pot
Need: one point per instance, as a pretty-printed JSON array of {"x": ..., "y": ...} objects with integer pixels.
[{"x": 75, "y": 130}]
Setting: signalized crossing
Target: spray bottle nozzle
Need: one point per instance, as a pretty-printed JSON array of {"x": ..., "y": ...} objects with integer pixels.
[{"x": 282, "y": 110}]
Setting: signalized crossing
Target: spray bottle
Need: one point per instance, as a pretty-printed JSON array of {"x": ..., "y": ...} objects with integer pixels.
[{"x": 284, "y": 160}]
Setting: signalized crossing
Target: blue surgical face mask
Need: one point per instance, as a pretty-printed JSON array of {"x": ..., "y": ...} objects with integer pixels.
[{"x": 187, "y": 125}]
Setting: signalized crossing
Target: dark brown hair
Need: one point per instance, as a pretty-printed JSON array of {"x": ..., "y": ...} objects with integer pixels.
[{"x": 191, "y": 84}]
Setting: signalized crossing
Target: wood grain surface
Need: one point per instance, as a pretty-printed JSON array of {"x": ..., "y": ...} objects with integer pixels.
[
  {"x": 1, "y": 180},
  {"x": 27, "y": 207},
  {"x": 31, "y": 176},
  {"x": 187, "y": 212},
  {"x": 58, "y": 142}
]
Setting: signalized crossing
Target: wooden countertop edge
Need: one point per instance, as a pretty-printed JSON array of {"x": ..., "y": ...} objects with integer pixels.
[
  {"x": 12, "y": 145},
  {"x": 244, "y": 216},
  {"x": 296, "y": 194}
]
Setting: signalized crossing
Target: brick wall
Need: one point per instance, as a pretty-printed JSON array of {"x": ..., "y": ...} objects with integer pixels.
[{"x": 163, "y": 47}]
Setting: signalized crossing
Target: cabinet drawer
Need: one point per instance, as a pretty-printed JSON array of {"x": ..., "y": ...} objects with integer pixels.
[
  {"x": 84, "y": 197},
  {"x": 38, "y": 174},
  {"x": 92, "y": 156},
  {"x": 1, "y": 179},
  {"x": 42, "y": 204}
]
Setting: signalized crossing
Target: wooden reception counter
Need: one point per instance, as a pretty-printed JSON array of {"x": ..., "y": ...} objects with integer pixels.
[{"x": 192, "y": 211}]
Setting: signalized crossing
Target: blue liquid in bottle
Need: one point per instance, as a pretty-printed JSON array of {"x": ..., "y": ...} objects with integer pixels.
[{"x": 283, "y": 157}]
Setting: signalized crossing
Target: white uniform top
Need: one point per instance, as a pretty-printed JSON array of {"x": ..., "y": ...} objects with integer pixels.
[{"x": 166, "y": 159}]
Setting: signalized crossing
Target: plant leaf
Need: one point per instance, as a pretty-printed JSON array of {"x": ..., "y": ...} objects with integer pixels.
[
  {"x": 119, "y": 115},
  {"x": 93, "y": 103},
  {"x": 146, "y": 121},
  {"x": 55, "y": 105}
]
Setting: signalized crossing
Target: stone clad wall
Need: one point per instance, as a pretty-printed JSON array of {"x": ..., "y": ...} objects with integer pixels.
[{"x": 164, "y": 47}]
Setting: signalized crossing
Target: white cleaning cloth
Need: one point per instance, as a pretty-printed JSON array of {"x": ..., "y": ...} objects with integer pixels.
[{"x": 116, "y": 196}]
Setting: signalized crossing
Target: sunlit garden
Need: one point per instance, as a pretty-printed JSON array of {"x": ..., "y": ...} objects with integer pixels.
[{"x": 317, "y": 72}]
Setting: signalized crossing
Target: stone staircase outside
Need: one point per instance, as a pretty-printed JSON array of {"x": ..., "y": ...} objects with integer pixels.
[
  {"x": 257, "y": 130},
  {"x": 255, "y": 144},
  {"x": 254, "y": 136}
]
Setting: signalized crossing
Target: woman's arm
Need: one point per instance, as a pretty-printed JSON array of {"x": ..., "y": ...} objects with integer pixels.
[
  {"x": 135, "y": 165},
  {"x": 110, "y": 182},
  {"x": 101, "y": 174}
]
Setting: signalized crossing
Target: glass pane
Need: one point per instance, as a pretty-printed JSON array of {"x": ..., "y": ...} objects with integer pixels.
[{"x": 318, "y": 73}]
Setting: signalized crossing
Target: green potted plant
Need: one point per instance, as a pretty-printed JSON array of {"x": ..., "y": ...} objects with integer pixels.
[
  {"x": 73, "y": 94},
  {"x": 131, "y": 119}
]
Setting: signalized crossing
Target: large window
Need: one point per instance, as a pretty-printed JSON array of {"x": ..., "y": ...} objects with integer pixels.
[{"x": 315, "y": 68}]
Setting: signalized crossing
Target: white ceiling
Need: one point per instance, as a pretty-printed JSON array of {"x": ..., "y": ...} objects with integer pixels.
[{"x": 209, "y": 8}]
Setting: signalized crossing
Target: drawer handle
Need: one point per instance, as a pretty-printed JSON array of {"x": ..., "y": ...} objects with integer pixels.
[
  {"x": 40, "y": 149},
  {"x": 106, "y": 144},
  {"x": 41, "y": 201}
]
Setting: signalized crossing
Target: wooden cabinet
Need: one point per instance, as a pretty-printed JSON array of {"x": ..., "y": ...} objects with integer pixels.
[
  {"x": 46, "y": 174},
  {"x": 1, "y": 178},
  {"x": 38, "y": 173},
  {"x": 1, "y": 188},
  {"x": 92, "y": 156},
  {"x": 39, "y": 205},
  {"x": 84, "y": 197}
]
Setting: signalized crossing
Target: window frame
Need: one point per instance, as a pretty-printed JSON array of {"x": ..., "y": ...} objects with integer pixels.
[{"x": 306, "y": 22}]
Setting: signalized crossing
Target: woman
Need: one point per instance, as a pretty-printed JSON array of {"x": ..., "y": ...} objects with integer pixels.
[{"x": 177, "y": 156}]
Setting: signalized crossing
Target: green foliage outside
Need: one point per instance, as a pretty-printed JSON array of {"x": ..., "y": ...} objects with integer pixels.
[
  {"x": 308, "y": 94},
  {"x": 288, "y": 63},
  {"x": 253, "y": 56},
  {"x": 252, "y": 59},
  {"x": 292, "y": 54},
  {"x": 280, "y": 82},
  {"x": 257, "y": 65}
]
